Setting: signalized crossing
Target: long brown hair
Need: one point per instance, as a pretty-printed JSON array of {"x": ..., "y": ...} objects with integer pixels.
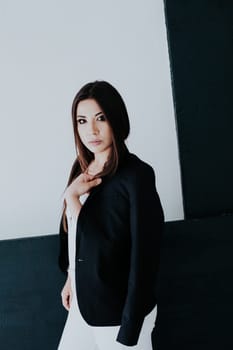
[{"x": 115, "y": 112}]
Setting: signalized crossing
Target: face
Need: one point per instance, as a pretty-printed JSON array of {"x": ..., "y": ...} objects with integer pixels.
[{"x": 93, "y": 127}]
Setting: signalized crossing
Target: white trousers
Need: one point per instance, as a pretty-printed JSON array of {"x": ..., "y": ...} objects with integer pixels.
[{"x": 78, "y": 335}]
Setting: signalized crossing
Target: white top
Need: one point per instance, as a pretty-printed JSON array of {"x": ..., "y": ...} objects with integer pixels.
[{"x": 72, "y": 224}]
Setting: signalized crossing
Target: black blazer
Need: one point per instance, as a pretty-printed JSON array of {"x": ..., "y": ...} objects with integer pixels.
[{"x": 118, "y": 236}]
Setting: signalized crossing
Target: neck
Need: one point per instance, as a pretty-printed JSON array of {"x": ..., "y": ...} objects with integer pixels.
[{"x": 100, "y": 158}]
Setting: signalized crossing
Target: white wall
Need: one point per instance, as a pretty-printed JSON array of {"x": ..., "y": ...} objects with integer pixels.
[{"x": 49, "y": 49}]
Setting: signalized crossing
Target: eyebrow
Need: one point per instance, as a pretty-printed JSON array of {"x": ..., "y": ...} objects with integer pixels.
[{"x": 83, "y": 116}]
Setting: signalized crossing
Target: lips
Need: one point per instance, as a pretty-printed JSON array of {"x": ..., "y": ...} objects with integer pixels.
[{"x": 95, "y": 142}]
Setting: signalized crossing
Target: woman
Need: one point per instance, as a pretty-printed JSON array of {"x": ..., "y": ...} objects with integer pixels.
[{"x": 114, "y": 220}]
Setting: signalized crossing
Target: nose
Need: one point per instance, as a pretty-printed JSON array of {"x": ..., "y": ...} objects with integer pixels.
[{"x": 93, "y": 129}]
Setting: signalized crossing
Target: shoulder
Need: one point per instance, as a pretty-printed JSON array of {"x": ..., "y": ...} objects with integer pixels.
[
  {"x": 133, "y": 177},
  {"x": 135, "y": 167},
  {"x": 135, "y": 174}
]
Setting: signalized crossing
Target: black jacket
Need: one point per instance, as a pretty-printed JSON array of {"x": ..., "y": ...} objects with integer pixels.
[{"x": 118, "y": 236}]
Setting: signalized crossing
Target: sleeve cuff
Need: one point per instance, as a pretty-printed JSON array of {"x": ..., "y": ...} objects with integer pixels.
[{"x": 129, "y": 332}]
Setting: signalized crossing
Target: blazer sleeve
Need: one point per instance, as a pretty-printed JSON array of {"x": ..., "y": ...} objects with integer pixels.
[
  {"x": 146, "y": 227},
  {"x": 63, "y": 258}
]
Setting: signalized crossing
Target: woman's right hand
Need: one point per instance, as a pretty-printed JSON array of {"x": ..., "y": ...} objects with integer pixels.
[
  {"x": 82, "y": 184},
  {"x": 67, "y": 294}
]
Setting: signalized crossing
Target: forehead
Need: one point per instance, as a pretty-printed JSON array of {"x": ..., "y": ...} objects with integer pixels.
[{"x": 88, "y": 107}]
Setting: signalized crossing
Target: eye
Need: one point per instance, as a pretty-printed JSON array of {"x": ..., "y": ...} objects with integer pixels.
[
  {"x": 81, "y": 121},
  {"x": 102, "y": 117}
]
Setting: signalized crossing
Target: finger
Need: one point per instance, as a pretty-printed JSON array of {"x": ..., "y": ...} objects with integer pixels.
[
  {"x": 95, "y": 182},
  {"x": 64, "y": 304},
  {"x": 67, "y": 304},
  {"x": 88, "y": 177}
]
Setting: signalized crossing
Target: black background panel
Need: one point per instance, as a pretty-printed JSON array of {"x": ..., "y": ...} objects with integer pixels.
[{"x": 200, "y": 39}]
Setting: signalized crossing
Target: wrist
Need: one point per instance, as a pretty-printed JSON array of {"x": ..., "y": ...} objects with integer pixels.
[
  {"x": 69, "y": 195},
  {"x": 72, "y": 199}
]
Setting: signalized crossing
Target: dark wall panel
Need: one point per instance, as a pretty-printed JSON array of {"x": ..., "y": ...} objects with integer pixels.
[
  {"x": 200, "y": 39},
  {"x": 31, "y": 313},
  {"x": 195, "y": 286}
]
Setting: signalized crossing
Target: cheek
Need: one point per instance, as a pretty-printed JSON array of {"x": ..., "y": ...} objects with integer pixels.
[
  {"x": 81, "y": 133},
  {"x": 108, "y": 132}
]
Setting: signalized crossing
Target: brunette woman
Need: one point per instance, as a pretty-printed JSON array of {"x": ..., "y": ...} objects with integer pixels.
[{"x": 110, "y": 230}]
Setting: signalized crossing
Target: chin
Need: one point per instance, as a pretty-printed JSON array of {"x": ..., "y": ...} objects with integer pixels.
[{"x": 98, "y": 149}]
